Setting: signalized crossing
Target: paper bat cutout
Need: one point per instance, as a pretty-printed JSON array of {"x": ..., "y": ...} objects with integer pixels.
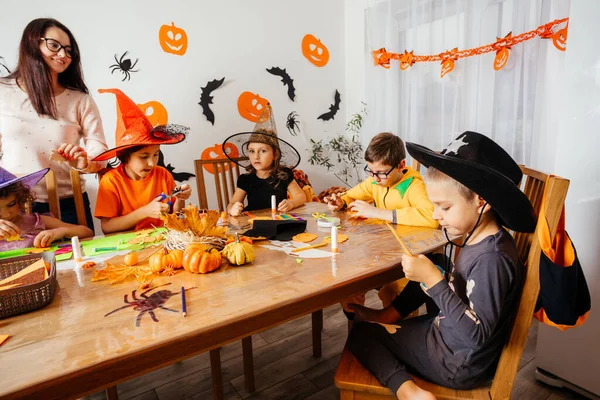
[
  {"x": 178, "y": 176},
  {"x": 333, "y": 109},
  {"x": 206, "y": 98},
  {"x": 285, "y": 78}
]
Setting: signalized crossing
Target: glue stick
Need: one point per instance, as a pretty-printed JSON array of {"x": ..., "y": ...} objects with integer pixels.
[
  {"x": 273, "y": 205},
  {"x": 334, "y": 239},
  {"x": 76, "y": 249}
]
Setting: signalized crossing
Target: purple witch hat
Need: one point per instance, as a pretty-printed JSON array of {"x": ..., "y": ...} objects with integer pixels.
[{"x": 7, "y": 179}]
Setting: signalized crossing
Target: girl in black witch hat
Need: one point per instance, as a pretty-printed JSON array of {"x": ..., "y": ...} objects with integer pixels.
[{"x": 473, "y": 187}]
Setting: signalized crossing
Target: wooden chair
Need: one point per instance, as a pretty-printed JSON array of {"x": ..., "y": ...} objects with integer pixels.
[
  {"x": 355, "y": 382},
  {"x": 78, "y": 196}
]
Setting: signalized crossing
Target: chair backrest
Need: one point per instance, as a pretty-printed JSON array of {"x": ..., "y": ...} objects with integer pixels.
[
  {"x": 78, "y": 197},
  {"x": 53, "y": 203},
  {"x": 529, "y": 250},
  {"x": 225, "y": 174}
]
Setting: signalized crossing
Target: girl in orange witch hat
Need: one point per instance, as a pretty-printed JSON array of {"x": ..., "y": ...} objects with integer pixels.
[{"x": 138, "y": 191}]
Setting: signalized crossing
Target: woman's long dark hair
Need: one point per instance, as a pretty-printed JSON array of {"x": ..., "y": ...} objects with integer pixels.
[{"x": 34, "y": 75}]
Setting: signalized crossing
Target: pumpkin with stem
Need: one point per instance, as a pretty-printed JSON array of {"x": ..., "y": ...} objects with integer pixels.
[
  {"x": 239, "y": 252},
  {"x": 165, "y": 258},
  {"x": 197, "y": 259}
]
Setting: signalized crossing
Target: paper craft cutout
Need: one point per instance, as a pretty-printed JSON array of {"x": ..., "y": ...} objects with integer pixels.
[
  {"x": 38, "y": 250},
  {"x": 124, "y": 65},
  {"x": 390, "y": 328},
  {"x": 3, "y": 338},
  {"x": 250, "y": 106},
  {"x": 288, "y": 246},
  {"x": 218, "y": 152},
  {"x": 147, "y": 304},
  {"x": 146, "y": 239},
  {"x": 305, "y": 237},
  {"x": 178, "y": 176},
  {"x": 341, "y": 238},
  {"x": 57, "y": 157},
  {"x": 14, "y": 238},
  {"x": 34, "y": 273},
  {"x": 448, "y": 58},
  {"x": 158, "y": 114},
  {"x": 333, "y": 109},
  {"x": 118, "y": 273},
  {"x": 88, "y": 265},
  {"x": 251, "y": 220},
  {"x": 6, "y": 287},
  {"x": 315, "y": 51},
  {"x": 292, "y": 123},
  {"x": 173, "y": 39},
  {"x": 206, "y": 98},
  {"x": 286, "y": 79}
]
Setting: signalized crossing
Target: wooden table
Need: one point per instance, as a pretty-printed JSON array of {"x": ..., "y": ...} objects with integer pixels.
[{"x": 70, "y": 349}]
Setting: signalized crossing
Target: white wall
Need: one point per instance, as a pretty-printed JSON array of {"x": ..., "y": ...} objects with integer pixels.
[{"x": 235, "y": 39}]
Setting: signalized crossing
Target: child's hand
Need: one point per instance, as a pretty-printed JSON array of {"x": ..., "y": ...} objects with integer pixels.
[
  {"x": 8, "y": 229},
  {"x": 334, "y": 201},
  {"x": 365, "y": 210},
  {"x": 75, "y": 155},
  {"x": 236, "y": 209},
  {"x": 185, "y": 192},
  {"x": 285, "y": 206},
  {"x": 45, "y": 238},
  {"x": 421, "y": 269},
  {"x": 155, "y": 208}
]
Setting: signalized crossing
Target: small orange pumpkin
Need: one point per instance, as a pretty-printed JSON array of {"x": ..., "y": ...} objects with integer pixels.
[
  {"x": 165, "y": 258},
  {"x": 173, "y": 39},
  {"x": 559, "y": 39},
  {"x": 315, "y": 51},
  {"x": 158, "y": 113},
  {"x": 216, "y": 152},
  {"x": 131, "y": 259},
  {"x": 251, "y": 105},
  {"x": 501, "y": 58},
  {"x": 197, "y": 260}
]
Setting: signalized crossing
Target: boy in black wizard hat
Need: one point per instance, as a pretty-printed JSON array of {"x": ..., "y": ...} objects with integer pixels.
[{"x": 473, "y": 187}]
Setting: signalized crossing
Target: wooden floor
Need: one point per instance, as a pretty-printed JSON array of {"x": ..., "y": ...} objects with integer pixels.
[{"x": 285, "y": 368}]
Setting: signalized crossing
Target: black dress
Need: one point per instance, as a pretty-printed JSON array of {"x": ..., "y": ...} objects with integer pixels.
[{"x": 259, "y": 191}]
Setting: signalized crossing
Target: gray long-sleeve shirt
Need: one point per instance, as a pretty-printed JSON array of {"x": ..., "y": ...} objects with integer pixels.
[{"x": 477, "y": 306}]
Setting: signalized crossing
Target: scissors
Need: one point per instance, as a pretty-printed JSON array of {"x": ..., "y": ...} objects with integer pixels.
[{"x": 169, "y": 199}]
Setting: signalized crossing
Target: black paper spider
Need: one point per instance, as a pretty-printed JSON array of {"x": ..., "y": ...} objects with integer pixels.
[
  {"x": 124, "y": 66},
  {"x": 292, "y": 123}
]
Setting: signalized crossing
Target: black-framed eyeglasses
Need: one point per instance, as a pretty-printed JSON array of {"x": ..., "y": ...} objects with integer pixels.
[
  {"x": 380, "y": 175},
  {"x": 54, "y": 46}
]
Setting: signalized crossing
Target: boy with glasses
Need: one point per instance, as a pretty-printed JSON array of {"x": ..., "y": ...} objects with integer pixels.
[{"x": 398, "y": 195}]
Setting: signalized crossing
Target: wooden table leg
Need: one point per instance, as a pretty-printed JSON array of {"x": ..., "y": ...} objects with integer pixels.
[
  {"x": 111, "y": 393},
  {"x": 248, "y": 364},
  {"x": 317, "y": 327},
  {"x": 217, "y": 378}
]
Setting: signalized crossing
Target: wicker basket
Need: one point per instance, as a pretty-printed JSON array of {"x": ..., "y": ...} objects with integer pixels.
[
  {"x": 22, "y": 299},
  {"x": 181, "y": 240}
]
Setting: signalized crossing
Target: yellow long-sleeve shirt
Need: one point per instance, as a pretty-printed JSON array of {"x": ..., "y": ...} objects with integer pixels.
[{"x": 408, "y": 197}]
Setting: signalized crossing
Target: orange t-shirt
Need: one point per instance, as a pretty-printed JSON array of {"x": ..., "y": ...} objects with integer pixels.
[{"x": 119, "y": 195}]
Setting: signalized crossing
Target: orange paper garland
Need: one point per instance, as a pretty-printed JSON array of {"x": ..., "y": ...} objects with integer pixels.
[{"x": 382, "y": 57}]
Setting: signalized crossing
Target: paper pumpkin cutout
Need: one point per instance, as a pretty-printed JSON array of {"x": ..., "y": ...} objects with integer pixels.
[
  {"x": 216, "y": 152},
  {"x": 406, "y": 60},
  {"x": 341, "y": 238},
  {"x": 501, "y": 58},
  {"x": 305, "y": 237},
  {"x": 125, "y": 66},
  {"x": 559, "y": 39},
  {"x": 206, "y": 98},
  {"x": 37, "y": 250},
  {"x": 158, "y": 113},
  {"x": 286, "y": 79},
  {"x": 14, "y": 238},
  {"x": 333, "y": 109},
  {"x": 448, "y": 58},
  {"x": 315, "y": 51},
  {"x": 251, "y": 105},
  {"x": 173, "y": 39}
]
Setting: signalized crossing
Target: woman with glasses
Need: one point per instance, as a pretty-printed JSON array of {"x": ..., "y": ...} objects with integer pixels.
[{"x": 46, "y": 112}]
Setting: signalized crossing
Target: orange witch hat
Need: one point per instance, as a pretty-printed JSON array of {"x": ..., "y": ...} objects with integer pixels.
[{"x": 134, "y": 128}]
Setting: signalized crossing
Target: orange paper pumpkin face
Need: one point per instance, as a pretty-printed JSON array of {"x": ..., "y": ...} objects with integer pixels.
[
  {"x": 315, "y": 51},
  {"x": 216, "y": 152},
  {"x": 156, "y": 112},
  {"x": 173, "y": 39},
  {"x": 251, "y": 105},
  {"x": 559, "y": 39},
  {"x": 501, "y": 58}
]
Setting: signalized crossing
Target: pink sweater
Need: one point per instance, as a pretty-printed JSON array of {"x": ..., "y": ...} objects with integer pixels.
[{"x": 26, "y": 139}]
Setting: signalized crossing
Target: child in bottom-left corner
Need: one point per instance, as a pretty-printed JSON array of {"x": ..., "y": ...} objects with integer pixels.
[{"x": 19, "y": 230}]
